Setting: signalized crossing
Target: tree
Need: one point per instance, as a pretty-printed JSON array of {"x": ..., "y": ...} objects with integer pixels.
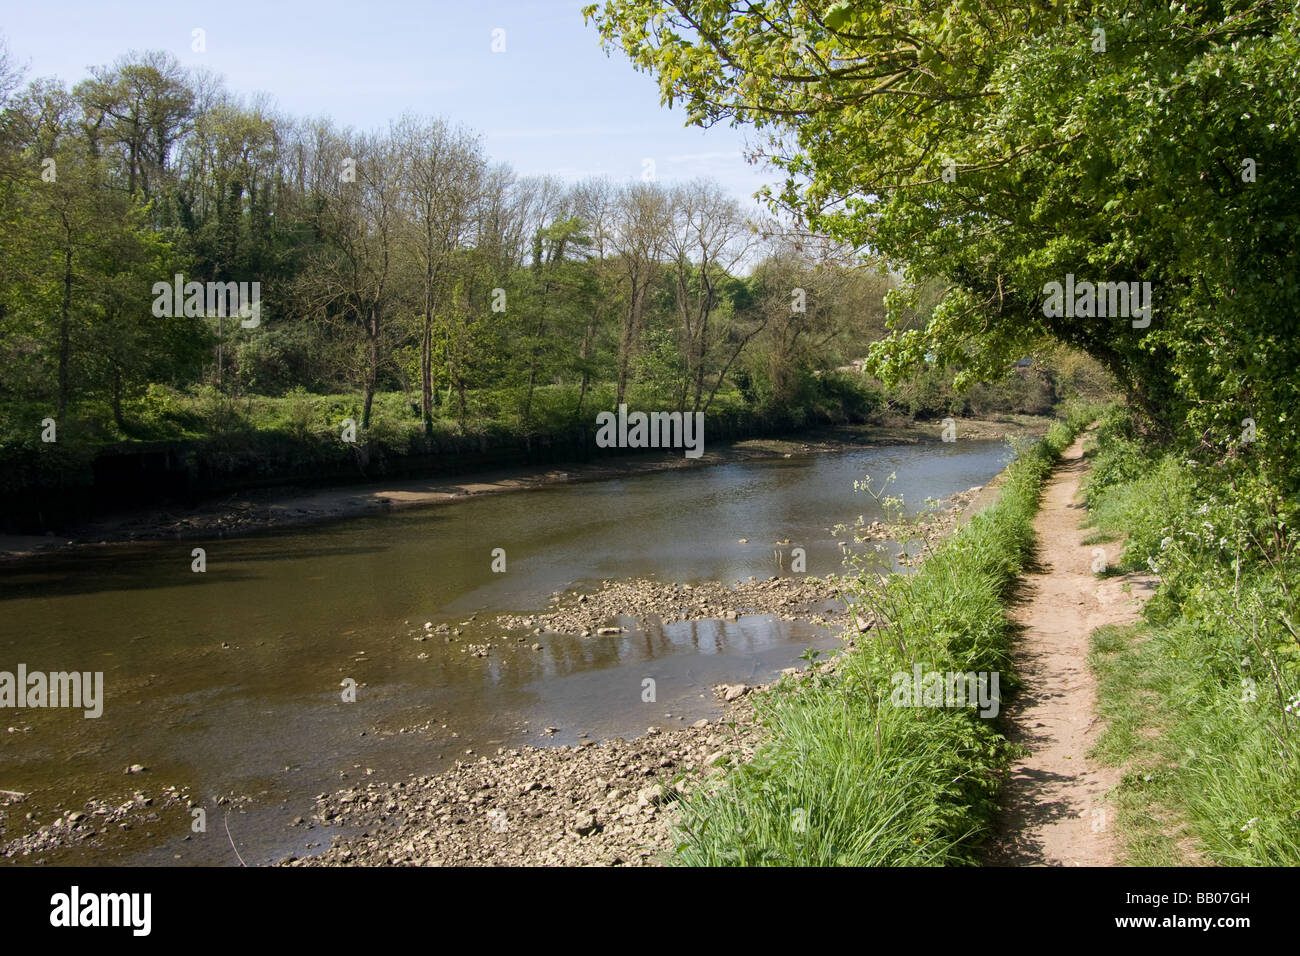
[
  {"x": 561, "y": 289},
  {"x": 138, "y": 109},
  {"x": 999, "y": 147},
  {"x": 595, "y": 204},
  {"x": 225, "y": 200},
  {"x": 353, "y": 277},
  {"x": 442, "y": 170},
  {"x": 81, "y": 267},
  {"x": 708, "y": 239},
  {"x": 642, "y": 219}
]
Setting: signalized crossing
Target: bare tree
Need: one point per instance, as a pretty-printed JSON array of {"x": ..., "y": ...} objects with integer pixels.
[
  {"x": 353, "y": 276},
  {"x": 595, "y": 202},
  {"x": 708, "y": 238},
  {"x": 642, "y": 221},
  {"x": 443, "y": 170}
]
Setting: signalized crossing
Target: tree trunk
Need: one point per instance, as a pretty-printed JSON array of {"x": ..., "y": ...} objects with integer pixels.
[
  {"x": 372, "y": 372},
  {"x": 628, "y": 338},
  {"x": 426, "y": 345},
  {"x": 532, "y": 362},
  {"x": 699, "y": 363},
  {"x": 65, "y": 319},
  {"x": 584, "y": 354},
  {"x": 426, "y": 370}
]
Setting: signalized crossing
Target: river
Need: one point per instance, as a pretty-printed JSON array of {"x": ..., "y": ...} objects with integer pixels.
[{"x": 230, "y": 682}]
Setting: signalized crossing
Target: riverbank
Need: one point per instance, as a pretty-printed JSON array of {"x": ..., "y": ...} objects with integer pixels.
[
  {"x": 613, "y": 802},
  {"x": 855, "y": 774},
  {"x": 606, "y": 803},
  {"x": 274, "y": 508},
  {"x": 603, "y": 803},
  {"x": 440, "y": 666}
]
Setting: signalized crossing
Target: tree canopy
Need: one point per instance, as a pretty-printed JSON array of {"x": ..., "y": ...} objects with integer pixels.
[
  {"x": 997, "y": 147},
  {"x": 400, "y": 259}
]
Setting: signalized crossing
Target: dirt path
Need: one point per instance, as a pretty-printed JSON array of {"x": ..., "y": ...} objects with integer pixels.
[{"x": 1054, "y": 806}]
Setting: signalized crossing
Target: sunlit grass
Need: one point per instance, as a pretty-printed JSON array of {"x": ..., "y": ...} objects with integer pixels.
[{"x": 849, "y": 779}]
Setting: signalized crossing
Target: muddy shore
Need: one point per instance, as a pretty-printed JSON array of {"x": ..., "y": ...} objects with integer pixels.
[{"x": 272, "y": 508}]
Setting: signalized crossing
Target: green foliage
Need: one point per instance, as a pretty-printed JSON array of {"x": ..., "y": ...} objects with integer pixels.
[
  {"x": 490, "y": 302},
  {"x": 1201, "y": 698},
  {"x": 30, "y": 463},
  {"x": 993, "y": 151},
  {"x": 846, "y": 397}
]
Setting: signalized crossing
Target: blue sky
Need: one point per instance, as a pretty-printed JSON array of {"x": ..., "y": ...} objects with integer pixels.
[{"x": 553, "y": 102}]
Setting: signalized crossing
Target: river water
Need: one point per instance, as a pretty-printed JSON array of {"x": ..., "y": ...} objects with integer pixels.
[{"x": 229, "y": 682}]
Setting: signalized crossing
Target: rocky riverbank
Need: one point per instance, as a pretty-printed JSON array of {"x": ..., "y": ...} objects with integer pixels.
[
  {"x": 601, "y": 803},
  {"x": 85, "y": 827},
  {"x": 607, "y": 803}
]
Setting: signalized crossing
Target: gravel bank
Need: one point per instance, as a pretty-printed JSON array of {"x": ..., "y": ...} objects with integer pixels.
[{"x": 611, "y": 803}]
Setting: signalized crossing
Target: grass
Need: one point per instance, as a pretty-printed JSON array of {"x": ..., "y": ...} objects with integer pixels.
[
  {"x": 847, "y": 777},
  {"x": 1130, "y": 694},
  {"x": 1196, "y": 695}
]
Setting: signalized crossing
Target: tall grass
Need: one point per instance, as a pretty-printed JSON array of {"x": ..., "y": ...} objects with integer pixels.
[
  {"x": 849, "y": 778},
  {"x": 1196, "y": 696}
]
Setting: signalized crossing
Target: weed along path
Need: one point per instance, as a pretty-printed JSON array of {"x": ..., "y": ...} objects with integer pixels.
[{"x": 1054, "y": 810}]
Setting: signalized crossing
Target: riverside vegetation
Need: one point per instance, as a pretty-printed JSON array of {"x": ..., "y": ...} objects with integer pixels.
[
  {"x": 998, "y": 148},
  {"x": 849, "y": 779},
  {"x": 434, "y": 306},
  {"x": 1202, "y": 697}
]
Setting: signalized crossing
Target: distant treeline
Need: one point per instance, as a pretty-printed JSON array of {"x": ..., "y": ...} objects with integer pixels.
[
  {"x": 396, "y": 260},
  {"x": 445, "y": 305}
]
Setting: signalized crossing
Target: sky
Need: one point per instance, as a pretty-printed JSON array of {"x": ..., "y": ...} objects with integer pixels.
[{"x": 552, "y": 103}]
